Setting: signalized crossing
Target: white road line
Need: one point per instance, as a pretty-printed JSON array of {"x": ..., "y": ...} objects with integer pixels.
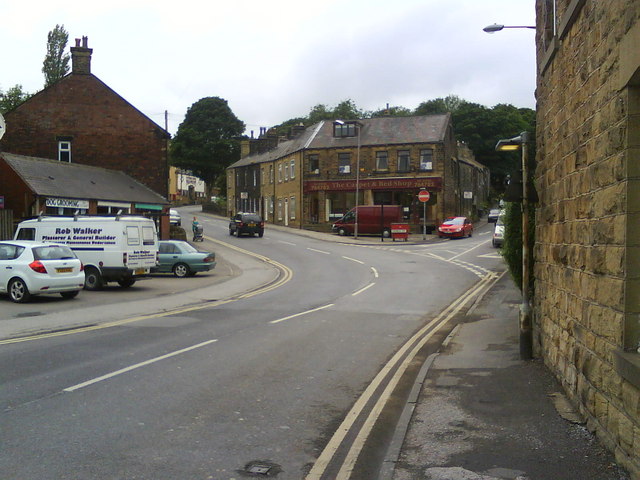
[
  {"x": 319, "y": 251},
  {"x": 468, "y": 250},
  {"x": 286, "y": 243},
  {"x": 138, "y": 365},
  {"x": 375, "y": 272},
  {"x": 353, "y": 260},
  {"x": 363, "y": 289},
  {"x": 301, "y": 313}
]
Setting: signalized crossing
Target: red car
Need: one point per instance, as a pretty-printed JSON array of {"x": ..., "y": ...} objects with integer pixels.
[{"x": 455, "y": 227}]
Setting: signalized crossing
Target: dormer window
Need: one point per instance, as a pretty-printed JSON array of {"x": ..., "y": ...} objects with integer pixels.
[{"x": 344, "y": 129}]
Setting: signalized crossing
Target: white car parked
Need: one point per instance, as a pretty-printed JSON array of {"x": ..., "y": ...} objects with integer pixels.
[{"x": 33, "y": 268}]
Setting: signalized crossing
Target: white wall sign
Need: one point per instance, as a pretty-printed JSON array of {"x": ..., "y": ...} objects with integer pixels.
[{"x": 67, "y": 203}]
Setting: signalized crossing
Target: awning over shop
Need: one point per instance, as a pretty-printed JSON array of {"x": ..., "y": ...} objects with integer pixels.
[{"x": 148, "y": 206}]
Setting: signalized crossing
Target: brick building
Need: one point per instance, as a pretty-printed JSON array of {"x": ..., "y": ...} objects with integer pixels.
[
  {"x": 79, "y": 119},
  {"x": 587, "y": 273},
  {"x": 310, "y": 180}
]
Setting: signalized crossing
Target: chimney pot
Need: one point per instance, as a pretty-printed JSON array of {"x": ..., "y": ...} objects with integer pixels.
[{"x": 81, "y": 57}]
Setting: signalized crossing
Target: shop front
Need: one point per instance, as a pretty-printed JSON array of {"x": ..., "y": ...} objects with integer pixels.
[{"x": 329, "y": 200}]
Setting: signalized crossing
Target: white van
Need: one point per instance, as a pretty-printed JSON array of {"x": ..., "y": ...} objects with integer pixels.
[{"x": 112, "y": 249}]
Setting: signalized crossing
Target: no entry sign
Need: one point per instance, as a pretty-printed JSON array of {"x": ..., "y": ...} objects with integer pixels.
[{"x": 424, "y": 196}]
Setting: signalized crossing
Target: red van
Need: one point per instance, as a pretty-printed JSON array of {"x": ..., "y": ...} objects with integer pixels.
[{"x": 372, "y": 220}]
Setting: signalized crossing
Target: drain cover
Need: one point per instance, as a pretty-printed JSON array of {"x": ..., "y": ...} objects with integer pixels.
[{"x": 261, "y": 468}]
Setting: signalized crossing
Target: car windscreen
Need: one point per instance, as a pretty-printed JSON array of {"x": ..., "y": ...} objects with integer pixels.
[
  {"x": 454, "y": 221},
  {"x": 53, "y": 252}
]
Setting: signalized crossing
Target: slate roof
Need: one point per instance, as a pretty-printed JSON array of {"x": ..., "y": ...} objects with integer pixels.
[
  {"x": 374, "y": 131},
  {"x": 71, "y": 180}
]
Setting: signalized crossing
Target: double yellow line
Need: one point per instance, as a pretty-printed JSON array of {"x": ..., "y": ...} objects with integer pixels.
[{"x": 402, "y": 361}]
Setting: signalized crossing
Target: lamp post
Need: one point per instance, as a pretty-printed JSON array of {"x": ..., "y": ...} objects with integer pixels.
[
  {"x": 358, "y": 125},
  {"x": 497, "y": 27},
  {"x": 526, "y": 324}
]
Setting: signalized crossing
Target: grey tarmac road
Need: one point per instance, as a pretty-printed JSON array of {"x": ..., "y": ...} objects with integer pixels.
[{"x": 203, "y": 392}]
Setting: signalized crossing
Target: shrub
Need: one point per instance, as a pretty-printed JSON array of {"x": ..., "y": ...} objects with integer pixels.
[{"x": 512, "y": 247}]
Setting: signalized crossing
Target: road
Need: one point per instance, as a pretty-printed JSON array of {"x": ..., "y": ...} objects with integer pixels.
[{"x": 303, "y": 375}]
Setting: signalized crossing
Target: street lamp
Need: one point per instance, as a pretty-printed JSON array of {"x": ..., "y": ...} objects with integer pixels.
[
  {"x": 497, "y": 27},
  {"x": 358, "y": 126},
  {"x": 526, "y": 328}
]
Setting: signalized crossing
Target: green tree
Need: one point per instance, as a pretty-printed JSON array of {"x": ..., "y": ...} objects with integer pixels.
[
  {"x": 450, "y": 104},
  {"x": 12, "y": 98},
  {"x": 56, "y": 61},
  {"x": 392, "y": 112},
  {"x": 207, "y": 140}
]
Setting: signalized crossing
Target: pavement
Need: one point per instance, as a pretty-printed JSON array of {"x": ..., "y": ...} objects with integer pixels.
[{"x": 478, "y": 412}]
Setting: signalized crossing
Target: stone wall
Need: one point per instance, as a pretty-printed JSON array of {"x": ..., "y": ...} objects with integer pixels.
[{"x": 582, "y": 301}]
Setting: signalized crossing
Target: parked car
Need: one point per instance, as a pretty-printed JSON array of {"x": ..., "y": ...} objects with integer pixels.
[
  {"x": 494, "y": 213},
  {"x": 455, "y": 227},
  {"x": 182, "y": 259},
  {"x": 174, "y": 217},
  {"x": 246, "y": 224},
  {"x": 30, "y": 268},
  {"x": 498, "y": 232}
]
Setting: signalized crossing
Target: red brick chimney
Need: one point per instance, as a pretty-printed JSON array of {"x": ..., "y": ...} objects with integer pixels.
[{"x": 81, "y": 57}]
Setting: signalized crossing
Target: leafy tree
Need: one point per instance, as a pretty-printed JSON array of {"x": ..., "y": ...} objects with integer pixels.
[
  {"x": 450, "y": 103},
  {"x": 12, "y": 98},
  {"x": 207, "y": 140},
  {"x": 392, "y": 112},
  {"x": 56, "y": 62}
]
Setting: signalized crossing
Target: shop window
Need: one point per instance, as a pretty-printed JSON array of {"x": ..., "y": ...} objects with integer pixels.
[
  {"x": 344, "y": 163},
  {"x": 404, "y": 161},
  {"x": 382, "y": 161}
]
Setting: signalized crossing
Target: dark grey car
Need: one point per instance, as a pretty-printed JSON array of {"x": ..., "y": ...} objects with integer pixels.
[{"x": 246, "y": 224}]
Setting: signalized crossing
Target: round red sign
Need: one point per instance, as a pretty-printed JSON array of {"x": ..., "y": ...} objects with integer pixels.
[{"x": 424, "y": 196}]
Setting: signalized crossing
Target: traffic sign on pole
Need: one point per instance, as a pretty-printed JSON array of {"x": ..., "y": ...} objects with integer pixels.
[{"x": 424, "y": 196}]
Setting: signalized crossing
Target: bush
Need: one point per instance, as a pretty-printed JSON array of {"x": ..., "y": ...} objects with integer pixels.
[{"x": 512, "y": 247}]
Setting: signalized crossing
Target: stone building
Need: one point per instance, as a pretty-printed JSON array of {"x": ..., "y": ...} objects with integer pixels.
[
  {"x": 311, "y": 180},
  {"x": 587, "y": 273},
  {"x": 79, "y": 119}
]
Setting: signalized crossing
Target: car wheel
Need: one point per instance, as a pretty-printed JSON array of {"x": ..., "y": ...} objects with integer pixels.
[
  {"x": 126, "y": 282},
  {"x": 93, "y": 279},
  {"x": 238, "y": 233},
  {"x": 180, "y": 270},
  {"x": 342, "y": 232},
  {"x": 260, "y": 234},
  {"x": 386, "y": 233},
  {"x": 69, "y": 295},
  {"x": 18, "y": 291},
  {"x": 470, "y": 234}
]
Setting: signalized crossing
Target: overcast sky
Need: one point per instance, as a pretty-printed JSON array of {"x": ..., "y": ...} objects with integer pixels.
[{"x": 274, "y": 60}]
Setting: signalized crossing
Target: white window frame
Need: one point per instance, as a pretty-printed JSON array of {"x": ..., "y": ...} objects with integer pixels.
[{"x": 64, "y": 148}]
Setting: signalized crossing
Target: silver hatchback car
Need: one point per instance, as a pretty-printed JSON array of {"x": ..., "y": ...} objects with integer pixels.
[{"x": 30, "y": 268}]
